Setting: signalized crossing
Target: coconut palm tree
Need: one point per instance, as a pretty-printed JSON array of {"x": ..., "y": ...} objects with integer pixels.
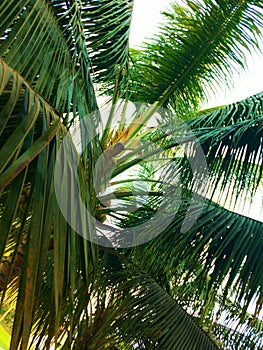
[{"x": 112, "y": 234}]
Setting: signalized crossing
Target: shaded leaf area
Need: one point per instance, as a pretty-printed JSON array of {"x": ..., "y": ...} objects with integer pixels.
[
  {"x": 218, "y": 258},
  {"x": 31, "y": 222},
  {"x": 212, "y": 156},
  {"x": 103, "y": 27},
  {"x": 126, "y": 308},
  {"x": 193, "y": 51},
  {"x": 107, "y": 28},
  {"x": 26, "y": 121},
  {"x": 143, "y": 311},
  {"x": 221, "y": 149},
  {"x": 33, "y": 43},
  {"x": 231, "y": 139}
]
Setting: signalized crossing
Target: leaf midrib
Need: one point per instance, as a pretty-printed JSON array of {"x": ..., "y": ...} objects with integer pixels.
[{"x": 199, "y": 57}]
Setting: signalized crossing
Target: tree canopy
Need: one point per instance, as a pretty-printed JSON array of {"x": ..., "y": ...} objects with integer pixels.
[{"x": 111, "y": 236}]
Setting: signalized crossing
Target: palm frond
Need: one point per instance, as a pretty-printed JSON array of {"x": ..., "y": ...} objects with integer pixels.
[
  {"x": 143, "y": 318},
  {"x": 101, "y": 30},
  {"x": 217, "y": 259},
  {"x": 231, "y": 140},
  {"x": 198, "y": 46},
  {"x": 248, "y": 335},
  {"x": 27, "y": 120},
  {"x": 33, "y": 43},
  {"x": 107, "y": 29},
  {"x": 223, "y": 148},
  {"x": 33, "y": 230}
]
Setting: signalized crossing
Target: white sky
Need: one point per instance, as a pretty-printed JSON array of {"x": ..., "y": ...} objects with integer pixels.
[{"x": 145, "y": 21}]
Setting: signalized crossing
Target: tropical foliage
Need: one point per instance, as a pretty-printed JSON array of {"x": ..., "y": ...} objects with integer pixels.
[{"x": 189, "y": 271}]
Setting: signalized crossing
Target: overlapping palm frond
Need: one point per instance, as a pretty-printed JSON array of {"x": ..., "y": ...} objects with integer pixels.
[
  {"x": 101, "y": 30},
  {"x": 220, "y": 256},
  {"x": 33, "y": 230},
  {"x": 194, "y": 51},
  {"x": 231, "y": 140},
  {"x": 126, "y": 309},
  {"x": 159, "y": 295},
  {"x": 142, "y": 314},
  {"x": 107, "y": 29},
  {"x": 222, "y": 261},
  {"x": 70, "y": 31},
  {"x": 33, "y": 44},
  {"x": 248, "y": 335}
]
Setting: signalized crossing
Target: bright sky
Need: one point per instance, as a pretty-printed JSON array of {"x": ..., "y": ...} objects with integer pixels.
[{"x": 146, "y": 18}]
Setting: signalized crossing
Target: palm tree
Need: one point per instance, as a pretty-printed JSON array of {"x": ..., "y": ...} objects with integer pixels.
[{"x": 188, "y": 270}]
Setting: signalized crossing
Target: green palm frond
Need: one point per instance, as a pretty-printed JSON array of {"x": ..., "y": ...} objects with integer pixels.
[
  {"x": 26, "y": 120},
  {"x": 143, "y": 318},
  {"x": 246, "y": 341},
  {"x": 101, "y": 30},
  {"x": 31, "y": 223},
  {"x": 218, "y": 258},
  {"x": 231, "y": 139},
  {"x": 107, "y": 28},
  {"x": 248, "y": 335},
  {"x": 33, "y": 43},
  {"x": 125, "y": 308},
  {"x": 199, "y": 44},
  {"x": 174, "y": 291}
]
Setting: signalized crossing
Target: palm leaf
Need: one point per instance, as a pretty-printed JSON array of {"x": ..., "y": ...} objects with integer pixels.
[
  {"x": 231, "y": 142},
  {"x": 231, "y": 139},
  {"x": 247, "y": 335},
  {"x": 188, "y": 56},
  {"x": 131, "y": 310},
  {"x": 101, "y": 30},
  {"x": 107, "y": 28},
  {"x": 30, "y": 136},
  {"x": 34, "y": 44},
  {"x": 218, "y": 258},
  {"x": 143, "y": 317}
]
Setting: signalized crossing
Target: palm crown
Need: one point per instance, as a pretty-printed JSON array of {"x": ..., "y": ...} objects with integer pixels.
[{"x": 177, "y": 270}]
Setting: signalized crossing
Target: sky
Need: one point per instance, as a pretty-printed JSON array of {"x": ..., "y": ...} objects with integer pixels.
[{"x": 145, "y": 21}]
